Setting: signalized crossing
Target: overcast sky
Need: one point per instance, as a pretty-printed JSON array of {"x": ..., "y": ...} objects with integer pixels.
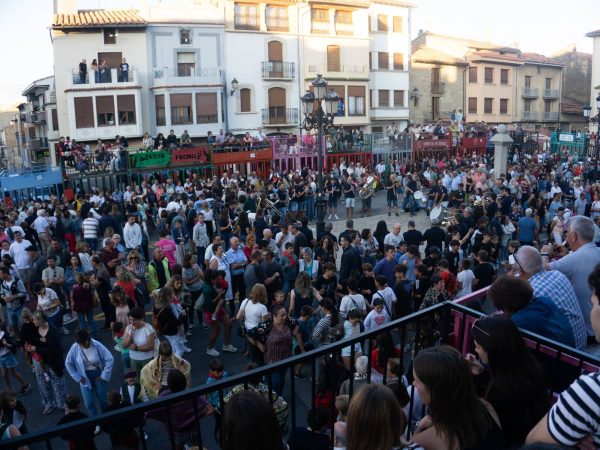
[{"x": 532, "y": 25}]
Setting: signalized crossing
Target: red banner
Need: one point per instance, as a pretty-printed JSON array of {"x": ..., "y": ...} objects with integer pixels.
[
  {"x": 189, "y": 156},
  {"x": 432, "y": 144}
]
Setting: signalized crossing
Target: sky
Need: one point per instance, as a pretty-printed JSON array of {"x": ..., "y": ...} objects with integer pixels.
[{"x": 541, "y": 26}]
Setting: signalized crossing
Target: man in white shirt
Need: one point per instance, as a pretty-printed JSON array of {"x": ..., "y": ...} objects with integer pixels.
[
  {"x": 127, "y": 194},
  {"x": 42, "y": 226},
  {"x": 20, "y": 256},
  {"x": 90, "y": 231},
  {"x": 394, "y": 238},
  {"x": 132, "y": 234},
  {"x": 283, "y": 237}
]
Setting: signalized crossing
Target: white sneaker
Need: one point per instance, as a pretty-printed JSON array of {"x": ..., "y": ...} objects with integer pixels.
[
  {"x": 336, "y": 217},
  {"x": 229, "y": 348},
  {"x": 212, "y": 352},
  {"x": 329, "y": 217},
  {"x": 97, "y": 430},
  {"x": 186, "y": 349}
]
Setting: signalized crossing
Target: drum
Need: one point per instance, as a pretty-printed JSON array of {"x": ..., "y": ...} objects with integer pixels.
[
  {"x": 436, "y": 213},
  {"x": 418, "y": 195}
]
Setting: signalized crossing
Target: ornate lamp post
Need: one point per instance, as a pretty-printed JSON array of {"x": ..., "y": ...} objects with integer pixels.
[
  {"x": 587, "y": 109},
  {"x": 319, "y": 108}
]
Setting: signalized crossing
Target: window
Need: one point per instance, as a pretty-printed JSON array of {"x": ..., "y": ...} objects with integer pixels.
[
  {"x": 186, "y": 64},
  {"x": 54, "y": 113},
  {"x": 398, "y": 61},
  {"x": 110, "y": 36},
  {"x": 397, "y": 25},
  {"x": 548, "y": 83},
  {"x": 503, "y": 76},
  {"x": 398, "y": 99},
  {"x": 159, "y": 102},
  {"x": 382, "y": 22},
  {"x": 503, "y": 106},
  {"x": 472, "y": 74},
  {"x": 245, "y": 100},
  {"x": 126, "y": 109},
  {"x": 181, "y": 109},
  {"x": 547, "y": 106},
  {"x": 341, "y": 92},
  {"x": 333, "y": 58},
  {"x": 371, "y": 91},
  {"x": 185, "y": 36},
  {"x": 356, "y": 100},
  {"x": 472, "y": 107},
  {"x": 435, "y": 107},
  {"x": 246, "y": 16},
  {"x": 343, "y": 22},
  {"x": 370, "y": 60},
  {"x": 320, "y": 20},
  {"x": 527, "y": 81},
  {"x": 489, "y": 75},
  {"x": 84, "y": 112},
  {"x": 277, "y": 18},
  {"x": 277, "y": 105},
  {"x": 105, "y": 110},
  {"x": 206, "y": 108},
  {"x": 383, "y": 60},
  {"x": 487, "y": 105},
  {"x": 527, "y": 105},
  {"x": 384, "y": 98}
]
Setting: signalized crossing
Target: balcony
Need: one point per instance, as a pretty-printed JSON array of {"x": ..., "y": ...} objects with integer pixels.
[
  {"x": 550, "y": 116},
  {"x": 279, "y": 116},
  {"x": 107, "y": 78},
  {"x": 437, "y": 88},
  {"x": 529, "y": 92},
  {"x": 530, "y": 115},
  {"x": 171, "y": 77},
  {"x": 38, "y": 144},
  {"x": 38, "y": 117},
  {"x": 347, "y": 72},
  {"x": 551, "y": 94},
  {"x": 278, "y": 70}
]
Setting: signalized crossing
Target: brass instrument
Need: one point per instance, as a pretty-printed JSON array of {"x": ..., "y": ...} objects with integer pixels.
[
  {"x": 269, "y": 204},
  {"x": 368, "y": 189}
]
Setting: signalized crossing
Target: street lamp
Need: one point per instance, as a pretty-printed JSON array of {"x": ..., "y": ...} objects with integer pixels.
[
  {"x": 319, "y": 108},
  {"x": 234, "y": 86},
  {"x": 595, "y": 120}
]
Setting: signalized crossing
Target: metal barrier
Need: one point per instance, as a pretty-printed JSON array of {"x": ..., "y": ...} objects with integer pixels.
[{"x": 405, "y": 328}]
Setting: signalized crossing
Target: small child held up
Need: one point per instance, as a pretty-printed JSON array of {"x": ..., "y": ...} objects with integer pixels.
[
  {"x": 119, "y": 331},
  {"x": 378, "y": 317}
]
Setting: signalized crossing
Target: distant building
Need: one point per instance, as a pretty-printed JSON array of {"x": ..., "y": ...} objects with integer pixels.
[{"x": 577, "y": 74}]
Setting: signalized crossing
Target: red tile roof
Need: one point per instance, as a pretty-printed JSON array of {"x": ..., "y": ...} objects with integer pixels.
[
  {"x": 496, "y": 56},
  {"x": 431, "y": 55},
  {"x": 570, "y": 106},
  {"x": 536, "y": 58},
  {"x": 98, "y": 18}
]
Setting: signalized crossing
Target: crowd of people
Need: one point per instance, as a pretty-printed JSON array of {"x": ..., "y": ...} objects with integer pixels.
[{"x": 236, "y": 253}]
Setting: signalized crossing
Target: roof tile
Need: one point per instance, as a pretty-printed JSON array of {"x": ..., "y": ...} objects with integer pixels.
[
  {"x": 539, "y": 59},
  {"x": 98, "y": 18}
]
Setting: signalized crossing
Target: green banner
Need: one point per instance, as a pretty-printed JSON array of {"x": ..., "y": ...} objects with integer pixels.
[{"x": 152, "y": 159}]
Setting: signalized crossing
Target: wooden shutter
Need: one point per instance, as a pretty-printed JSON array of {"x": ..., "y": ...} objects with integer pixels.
[
  {"x": 356, "y": 91},
  {"x": 275, "y": 50},
  {"x": 382, "y": 22},
  {"x": 84, "y": 112},
  {"x": 472, "y": 74},
  {"x": 397, "y": 24},
  {"x": 398, "y": 99},
  {"x": 398, "y": 61},
  {"x": 383, "y": 60},
  {"x": 472, "y": 105},
  {"x": 339, "y": 90},
  {"x": 54, "y": 119},
  {"x": 159, "y": 100},
  {"x": 181, "y": 100},
  {"x": 384, "y": 98},
  {"x": 245, "y": 100},
  {"x": 112, "y": 59},
  {"x": 333, "y": 58},
  {"x": 277, "y": 97},
  {"x": 126, "y": 102},
  {"x": 206, "y": 105},
  {"x": 105, "y": 104}
]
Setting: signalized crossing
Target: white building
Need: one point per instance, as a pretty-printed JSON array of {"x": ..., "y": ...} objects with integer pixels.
[{"x": 595, "y": 91}]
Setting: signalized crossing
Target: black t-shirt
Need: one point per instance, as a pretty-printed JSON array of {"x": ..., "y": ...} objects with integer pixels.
[
  {"x": 267, "y": 270},
  {"x": 348, "y": 234},
  {"x": 435, "y": 237},
  {"x": 453, "y": 261},
  {"x": 299, "y": 190},
  {"x": 413, "y": 237},
  {"x": 485, "y": 274},
  {"x": 348, "y": 191},
  {"x": 367, "y": 284},
  {"x": 329, "y": 286}
]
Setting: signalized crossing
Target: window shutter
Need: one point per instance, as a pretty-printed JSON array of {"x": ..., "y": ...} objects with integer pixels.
[
  {"x": 398, "y": 99},
  {"x": 181, "y": 100},
  {"x": 382, "y": 22},
  {"x": 277, "y": 97},
  {"x": 384, "y": 99},
  {"x": 245, "y": 100},
  {"x": 397, "y": 24},
  {"x": 383, "y": 60},
  {"x": 54, "y": 119},
  {"x": 105, "y": 104},
  {"x": 159, "y": 100},
  {"x": 206, "y": 104},
  {"x": 333, "y": 58},
  {"x": 398, "y": 61},
  {"x": 126, "y": 102},
  {"x": 356, "y": 91},
  {"x": 84, "y": 112},
  {"x": 275, "y": 50}
]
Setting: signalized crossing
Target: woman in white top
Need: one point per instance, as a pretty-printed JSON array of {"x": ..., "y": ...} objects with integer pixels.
[
  {"x": 308, "y": 264},
  {"x": 217, "y": 262},
  {"x": 208, "y": 219},
  {"x": 140, "y": 339},
  {"x": 353, "y": 300},
  {"x": 596, "y": 206},
  {"x": 49, "y": 302},
  {"x": 253, "y": 310}
]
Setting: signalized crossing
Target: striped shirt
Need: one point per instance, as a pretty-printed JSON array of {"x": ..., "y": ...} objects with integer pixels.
[
  {"x": 576, "y": 414},
  {"x": 90, "y": 228}
]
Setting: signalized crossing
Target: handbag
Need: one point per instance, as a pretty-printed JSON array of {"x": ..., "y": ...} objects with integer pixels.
[{"x": 241, "y": 331}]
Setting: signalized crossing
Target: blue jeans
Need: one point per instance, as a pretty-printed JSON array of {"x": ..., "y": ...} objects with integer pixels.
[
  {"x": 126, "y": 360},
  {"x": 89, "y": 318},
  {"x": 278, "y": 381},
  {"x": 293, "y": 206},
  {"x": 310, "y": 208},
  {"x": 409, "y": 203},
  {"x": 14, "y": 316},
  {"x": 56, "y": 320},
  {"x": 96, "y": 387}
]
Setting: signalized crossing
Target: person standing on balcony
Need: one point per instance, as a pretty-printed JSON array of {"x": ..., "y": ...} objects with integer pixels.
[
  {"x": 124, "y": 71},
  {"x": 83, "y": 71}
]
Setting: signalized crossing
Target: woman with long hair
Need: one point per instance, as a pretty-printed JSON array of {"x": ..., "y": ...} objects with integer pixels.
[
  {"x": 167, "y": 320},
  {"x": 443, "y": 380},
  {"x": 511, "y": 377},
  {"x": 326, "y": 251},
  {"x": 381, "y": 230},
  {"x": 251, "y": 313},
  {"x": 303, "y": 294},
  {"x": 193, "y": 281},
  {"x": 375, "y": 419}
]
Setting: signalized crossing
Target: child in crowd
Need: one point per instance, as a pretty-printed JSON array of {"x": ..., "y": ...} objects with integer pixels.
[
  {"x": 122, "y": 431},
  {"x": 119, "y": 334},
  {"x": 279, "y": 298},
  {"x": 378, "y": 317},
  {"x": 13, "y": 411},
  {"x": 132, "y": 392},
  {"x": 216, "y": 372},
  {"x": 82, "y": 438},
  {"x": 8, "y": 361},
  {"x": 342, "y": 403},
  {"x": 351, "y": 329}
]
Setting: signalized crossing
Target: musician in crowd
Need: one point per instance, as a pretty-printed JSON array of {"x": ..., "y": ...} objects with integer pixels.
[
  {"x": 392, "y": 186},
  {"x": 409, "y": 203},
  {"x": 436, "y": 196},
  {"x": 366, "y": 193}
]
